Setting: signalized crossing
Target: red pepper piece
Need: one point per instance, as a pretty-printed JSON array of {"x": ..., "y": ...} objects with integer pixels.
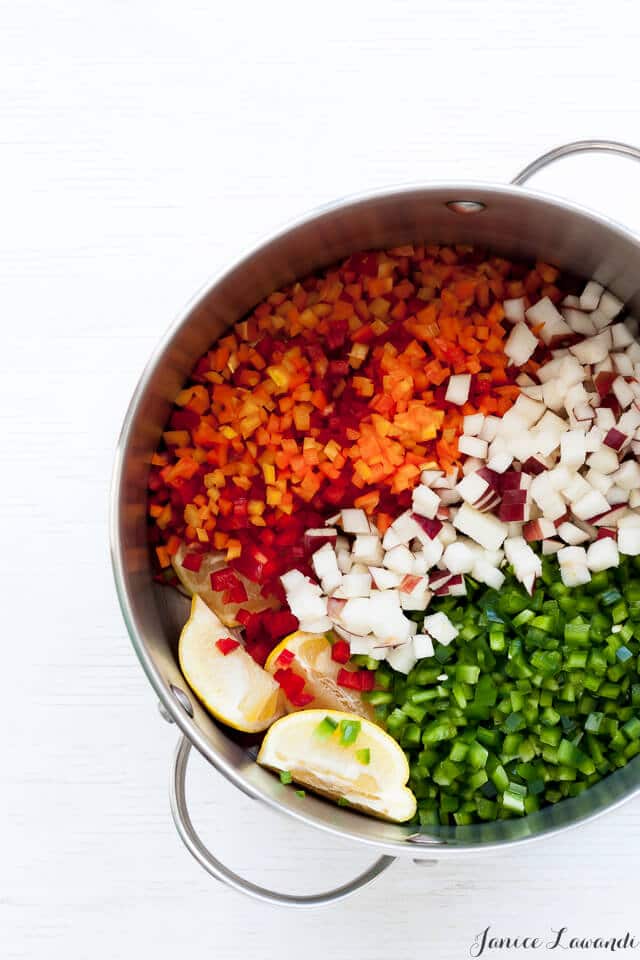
[
  {"x": 225, "y": 580},
  {"x": 235, "y": 595},
  {"x": 279, "y": 623},
  {"x": 293, "y": 686},
  {"x": 259, "y": 649},
  {"x": 301, "y": 699},
  {"x": 366, "y": 264},
  {"x": 340, "y": 651},
  {"x": 286, "y": 658},
  {"x": 192, "y": 561},
  {"x": 184, "y": 419},
  {"x": 356, "y": 679},
  {"x": 226, "y": 644}
]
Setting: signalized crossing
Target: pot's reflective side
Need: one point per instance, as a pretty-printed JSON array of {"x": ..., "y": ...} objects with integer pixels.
[{"x": 510, "y": 221}]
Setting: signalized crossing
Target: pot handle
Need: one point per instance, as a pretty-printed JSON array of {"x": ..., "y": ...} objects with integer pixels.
[
  {"x": 569, "y": 149},
  {"x": 219, "y": 871}
]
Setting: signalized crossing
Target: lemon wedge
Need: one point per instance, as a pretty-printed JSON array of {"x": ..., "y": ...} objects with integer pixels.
[
  {"x": 200, "y": 582},
  {"x": 342, "y": 755},
  {"x": 232, "y": 686},
  {"x": 312, "y": 661}
]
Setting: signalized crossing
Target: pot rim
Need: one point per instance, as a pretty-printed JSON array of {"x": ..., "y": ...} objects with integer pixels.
[{"x": 460, "y": 190}]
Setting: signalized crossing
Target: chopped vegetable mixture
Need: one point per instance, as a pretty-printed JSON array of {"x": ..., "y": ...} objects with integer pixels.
[{"x": 420, "y": 467}]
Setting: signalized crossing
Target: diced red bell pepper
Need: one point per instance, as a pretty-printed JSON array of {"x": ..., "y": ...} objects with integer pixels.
[
  {"x": 279, "y": 623},
  {"x": 253, "y": 562},
  {"x": 286, "y": 658},
  {"x": 225, "y": 580},
  {"x": 235, "y": 595},
  {"x": 226, "y": 645},
  {"x": 340, "y": 652},
  {"x": 250, "y": 622},
  {"x": 192, "y": 561},
  {"x": 184, "y": 419},
  {"x": 356, "y": 679},
  {"x": 293, "y": 686},
  {"x": 366, "y": 264},
  {"x": 259, "y": 649}
]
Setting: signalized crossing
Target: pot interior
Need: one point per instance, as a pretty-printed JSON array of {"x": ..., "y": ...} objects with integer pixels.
[{"x": 509, "y": 221}]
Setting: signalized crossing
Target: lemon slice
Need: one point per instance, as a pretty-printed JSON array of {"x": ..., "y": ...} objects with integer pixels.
[
  {"x": 199, "y": 582},
  {"x": 312, "y": 661},
  {"x": 369, "y": 771},
  {"x": 233, "y": 687}
]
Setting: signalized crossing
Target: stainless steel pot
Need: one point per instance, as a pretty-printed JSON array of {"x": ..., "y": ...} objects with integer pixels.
[{"x": 512, "y": 221}]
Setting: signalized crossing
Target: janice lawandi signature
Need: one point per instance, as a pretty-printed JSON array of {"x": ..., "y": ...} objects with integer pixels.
[{"x": 560, "y": 939}]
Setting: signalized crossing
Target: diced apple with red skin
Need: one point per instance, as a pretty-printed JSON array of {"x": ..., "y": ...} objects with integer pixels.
[
  {"x": 540, "y": 529},
  {"x": 623, "y": 392},
  {"x": 314, "y": 539}
]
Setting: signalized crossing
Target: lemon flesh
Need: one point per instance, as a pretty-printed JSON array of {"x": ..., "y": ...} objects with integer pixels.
[
  {"x": 200, "y": 582},
  {"x": 312, "y": 660},
  {"x": 295, "y": 743},
  {"x": 233, "y": 687}
]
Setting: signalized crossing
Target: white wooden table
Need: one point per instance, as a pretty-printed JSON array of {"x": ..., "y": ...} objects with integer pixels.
[{"x": 143, "y": 146}]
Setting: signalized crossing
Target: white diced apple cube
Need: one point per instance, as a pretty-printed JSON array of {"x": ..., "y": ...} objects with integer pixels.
[
  {"x": 514, "y": 309},
  {"x": 573, "y": 449},
  {"x": 402, "y": 658},
  {"x": 385, "y": 579},
  {"x": 458, "y": 558},
  {"x": 472, "y": 424},
  {"x": 458, "y": 389},
  {"x": 399, "y": 559},
  {"x": 483, "y": 528},
  {"x": 473, "y": 447},
  {"x": 602, "y": 555},
  {"x": 425, "y": 501},
  {"x": 590, "y": 296},
  {"x": 367, "y": 549},
  {"x": 520, "y": 345},
  {"x": 422, "y": 646},
  {"x": 356, "y": 615},
  {"x": 354, "y": 585},
  {"x": 354, "y": 521},
  {"x": 438, "y": 626}
]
